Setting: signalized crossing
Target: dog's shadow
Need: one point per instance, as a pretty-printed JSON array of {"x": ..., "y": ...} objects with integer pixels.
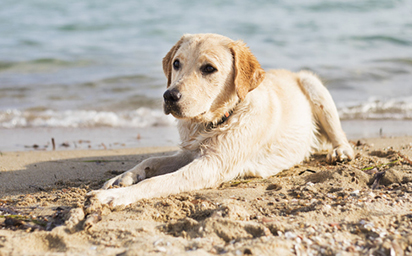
[{"x": 74, "y": 172}]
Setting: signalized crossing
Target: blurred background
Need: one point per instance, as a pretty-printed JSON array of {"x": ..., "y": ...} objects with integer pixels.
[{"x": 91, "y": 70}]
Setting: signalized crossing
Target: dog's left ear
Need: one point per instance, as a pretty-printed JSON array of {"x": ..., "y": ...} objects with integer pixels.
[
  {"x": 248, "y": 73},
  {"x": 167, "y": 60}
]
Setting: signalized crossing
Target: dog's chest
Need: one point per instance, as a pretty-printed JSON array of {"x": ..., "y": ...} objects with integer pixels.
[{"x": 198, "y": 137}]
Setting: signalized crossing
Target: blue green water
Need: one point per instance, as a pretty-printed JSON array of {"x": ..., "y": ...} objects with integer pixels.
[{"x": 98, "y": 63}]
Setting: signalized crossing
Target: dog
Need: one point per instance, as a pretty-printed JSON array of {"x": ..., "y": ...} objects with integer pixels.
[{"x": 234, "y": 119}]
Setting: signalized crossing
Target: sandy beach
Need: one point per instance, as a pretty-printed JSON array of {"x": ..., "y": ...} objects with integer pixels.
[
  {"x": 362, "y": 207},
  {"x": 88, "y": 76}
]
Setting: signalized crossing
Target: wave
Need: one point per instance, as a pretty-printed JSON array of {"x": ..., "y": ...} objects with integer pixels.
[
  {"x": 383, "y": 38},
  {"x": 378, "y": 110},
  {"x": 142, "y": 117},
  {"x": 148, "y": 117},
  {"x": 41, "y": 64}
]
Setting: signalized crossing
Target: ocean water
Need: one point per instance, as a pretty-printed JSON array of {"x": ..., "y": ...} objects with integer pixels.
[{"x": 93, "y": 64}]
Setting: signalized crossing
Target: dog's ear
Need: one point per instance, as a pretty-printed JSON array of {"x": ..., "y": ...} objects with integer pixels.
[
  {"x": 248, "y": 73},
  {"x": 167, "y": 60}
]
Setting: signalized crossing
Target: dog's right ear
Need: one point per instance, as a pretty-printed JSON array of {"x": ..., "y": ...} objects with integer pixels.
[{"x": 167, "y": 60}]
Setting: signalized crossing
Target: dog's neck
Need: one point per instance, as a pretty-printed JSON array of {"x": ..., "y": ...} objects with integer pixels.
[
  {"x": 225, "y": 117},
  {"x": 193, "y": 133}
]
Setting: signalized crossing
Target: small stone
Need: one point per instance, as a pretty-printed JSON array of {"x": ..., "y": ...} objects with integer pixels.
[{"x": 290, "y": 235}]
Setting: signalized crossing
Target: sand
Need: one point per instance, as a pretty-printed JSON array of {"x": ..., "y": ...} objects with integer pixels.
[{"x": 358, "y": 208}]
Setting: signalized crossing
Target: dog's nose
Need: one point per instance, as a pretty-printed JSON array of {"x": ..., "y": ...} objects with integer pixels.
[{"x": 172, "y": 95}]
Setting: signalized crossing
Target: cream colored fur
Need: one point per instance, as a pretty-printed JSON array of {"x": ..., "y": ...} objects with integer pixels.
[{"x": 279, "y": 118}]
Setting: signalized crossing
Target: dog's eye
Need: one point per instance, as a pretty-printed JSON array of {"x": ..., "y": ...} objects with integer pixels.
[
  {"x": 176, "y": 64},
  {"x": 208, "y": 69}
]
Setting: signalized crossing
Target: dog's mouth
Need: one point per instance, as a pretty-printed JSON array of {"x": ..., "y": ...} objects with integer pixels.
[
  {"x": 176, "y": 111},
  {"x": 172, "y": 109}
]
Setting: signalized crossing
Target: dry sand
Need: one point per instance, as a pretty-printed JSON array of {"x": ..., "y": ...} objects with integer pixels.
[{"x": 359, "y": 208}]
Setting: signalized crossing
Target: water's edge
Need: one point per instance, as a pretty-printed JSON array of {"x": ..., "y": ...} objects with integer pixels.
[{"x": 23, "y": 139}]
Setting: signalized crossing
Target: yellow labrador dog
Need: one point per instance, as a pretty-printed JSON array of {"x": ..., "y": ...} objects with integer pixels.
[{"x": 234, "y": 119}]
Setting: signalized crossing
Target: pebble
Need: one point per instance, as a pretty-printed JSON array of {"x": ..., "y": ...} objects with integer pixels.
[
  {"x": 326, "y": 208},
  {"x": 290, "y": 235}
]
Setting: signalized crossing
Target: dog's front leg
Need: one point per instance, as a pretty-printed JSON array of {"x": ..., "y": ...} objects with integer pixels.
[
  {"x": 200, "y": 173},
  {"x": 151, "y": 167}
]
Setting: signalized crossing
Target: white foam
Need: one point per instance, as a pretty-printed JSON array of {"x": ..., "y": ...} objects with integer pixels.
[
  {"x": 142, "y": 117},
  {"x": 377, "y": 110},
  {"x": 146, "y": 117}
]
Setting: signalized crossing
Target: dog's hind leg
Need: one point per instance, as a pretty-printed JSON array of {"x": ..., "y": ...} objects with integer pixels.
[{"x": 327, "y": 116}]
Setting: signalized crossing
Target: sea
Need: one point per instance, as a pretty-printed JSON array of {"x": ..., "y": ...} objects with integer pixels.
[{"x": 88, "y": 73}]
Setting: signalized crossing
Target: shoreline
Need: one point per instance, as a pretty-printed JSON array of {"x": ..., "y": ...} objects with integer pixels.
[
  {"x": 362, "y": 129},
  {"x": 39, "y": 138}
]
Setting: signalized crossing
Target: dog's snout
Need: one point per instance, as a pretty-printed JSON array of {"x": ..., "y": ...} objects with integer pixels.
[{"x": 172, "y": 95}]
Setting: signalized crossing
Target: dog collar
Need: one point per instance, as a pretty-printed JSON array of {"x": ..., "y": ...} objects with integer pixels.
[{"x": 224, "y": 118}]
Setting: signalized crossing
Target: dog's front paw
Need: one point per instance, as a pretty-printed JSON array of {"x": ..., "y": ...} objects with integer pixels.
[
  {"x": 112, "y": 197},
  {"x": 126, "y": 179},
  {"x": 340, "y": 154}
]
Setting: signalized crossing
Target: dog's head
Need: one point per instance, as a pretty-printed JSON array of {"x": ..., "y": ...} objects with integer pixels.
[{"x": 207, "y": 74}]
